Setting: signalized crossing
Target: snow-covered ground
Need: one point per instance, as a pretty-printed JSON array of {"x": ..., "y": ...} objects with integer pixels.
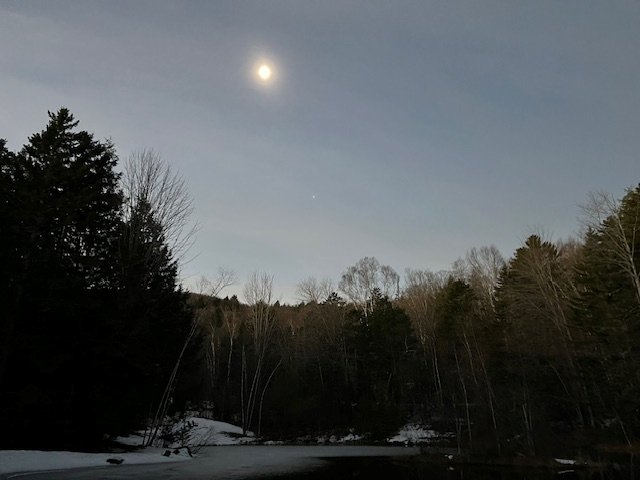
[
  {"x": 201, "y": 433},
  {"x": 198, "y": 432},
  {"x": 349, "y": 438},
  {"x": 33, "y": 460},
  {"x": 228, "y": 462}
]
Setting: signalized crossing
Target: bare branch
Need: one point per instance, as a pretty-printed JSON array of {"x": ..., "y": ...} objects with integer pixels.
[
  {"x": 224, "y": 278},
  {"x": 313, "y": 290},
  {"x": 603, "y": 213},
  {"x": 360, "y": 280},
  {"x": 149, "y": 180}
]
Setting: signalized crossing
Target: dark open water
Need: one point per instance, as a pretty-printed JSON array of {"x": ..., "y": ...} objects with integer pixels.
[{"x": 374, "y": 468}]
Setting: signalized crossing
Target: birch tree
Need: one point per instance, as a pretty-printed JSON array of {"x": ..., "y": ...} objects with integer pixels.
[
  {"x": 419, "y": 299},
  {"x": 360, "y": 281},
  {"x": 312, "y": 290},
  {"x": 618, "y": 226},
  {"x": 485, "y": 264},
  {"x": 258, "y": 291}
]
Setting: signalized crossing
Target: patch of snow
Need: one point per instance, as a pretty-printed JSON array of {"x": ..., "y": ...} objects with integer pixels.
[
  {"x": 131, "y": 440},
  {"x": 563, "y": 461},
  {"x": 413, "y": 434},
  {"x": 12, "y": 461},
  {"x": 352, "y": 437},
  {"x": 192, "y": 432},
  {"x": 197, "y": 432}
]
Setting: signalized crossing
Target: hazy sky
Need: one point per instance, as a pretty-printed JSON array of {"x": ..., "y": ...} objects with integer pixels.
[{"x": 408, "y": 131}]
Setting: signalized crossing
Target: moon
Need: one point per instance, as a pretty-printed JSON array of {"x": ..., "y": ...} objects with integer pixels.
[{"x": 264, "y": 72}]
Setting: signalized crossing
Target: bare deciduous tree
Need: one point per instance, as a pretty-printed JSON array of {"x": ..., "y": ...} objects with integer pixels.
[
  {"x": 390, "y": 281},
  {"x": 148, "y": 180},
  {"x": 206, "y": 317},
  {"x": 313, "y": 290},
  {"x": 419, "y": 301},
  {"x": 481, "y": 268},
  {"x": 485, "y": 265},
  {"x": 258, "y": 293},
  {"x": 621, "y": 231},
  {"x": 156, "y": 212},
  {"x": 360, "y": 281},
  {"x": 223, "y": 279}
]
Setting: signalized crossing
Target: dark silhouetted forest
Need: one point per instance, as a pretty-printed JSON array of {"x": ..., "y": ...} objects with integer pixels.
[{"x": 519, "y": 355}]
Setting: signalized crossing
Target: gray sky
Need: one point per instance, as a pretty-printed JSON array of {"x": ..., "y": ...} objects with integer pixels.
[{"x": 409, "y": 131}]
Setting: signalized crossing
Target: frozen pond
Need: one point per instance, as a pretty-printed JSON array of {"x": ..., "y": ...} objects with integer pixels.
[
  {"x": 325, "y": 462},
  {"x": 233, "y": 462},
  {"x": 400, "y": 469}
]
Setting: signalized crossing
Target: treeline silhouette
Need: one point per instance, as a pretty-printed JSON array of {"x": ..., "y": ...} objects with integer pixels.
[
  {"x": 533, "y": 355},
  {"x": 530, "y": 354},
  {"x": 92, "y": 317}
]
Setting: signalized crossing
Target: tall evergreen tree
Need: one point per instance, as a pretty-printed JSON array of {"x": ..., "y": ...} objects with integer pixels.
[
  {"x": 73, "y": 214},
  {"x": 152, "y": 325},
  {"x": 10, "y": 246},
  {"x": 64, "y": 227},
  {"x": 608, "y": 310},
  {"x": 381, "y": 341},
  {"x": 544, "y": 382}
]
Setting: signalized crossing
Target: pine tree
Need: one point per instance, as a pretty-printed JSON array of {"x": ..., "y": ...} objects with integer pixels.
[
  {"x": 608, "y": 310},
  {"x": 63, "y": 228},
  {"x": 10, "y": 243},
  {"x": 74, "y": 214},
  {"x": 94, "y": 319},
  {"x": 380, "y": 341},
  {"x": 539, "y": 357},
  {"x": 152, "y": 324}
]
